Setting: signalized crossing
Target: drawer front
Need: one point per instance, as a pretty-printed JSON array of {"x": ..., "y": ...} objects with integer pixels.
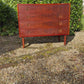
[
  {"x": 63, "y": 12},
  {"x": 38, "y": 12},
  {"x": 63, "y": 27},
  {"x": 39, "y": 32}
]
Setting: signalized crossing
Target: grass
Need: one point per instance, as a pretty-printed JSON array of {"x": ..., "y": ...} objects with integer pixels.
[
  {"x": 82, "y": 20},
  {"x": 81, "y": 48},
  {"x": 10, "y": 61}
]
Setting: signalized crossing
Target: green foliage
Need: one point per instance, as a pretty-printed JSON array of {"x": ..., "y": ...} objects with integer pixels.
[
  {"x": 8, "y": 20},
  {"x": 76, "y": 13},
  {"x": 82, "y": 21},
  {"x": 10, "y": 7}
]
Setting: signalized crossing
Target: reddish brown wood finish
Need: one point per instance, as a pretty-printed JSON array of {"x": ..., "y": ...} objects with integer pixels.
[
  {"x": 65, "y": 40},
  {"x": 23, "y": 42},
  {"x": 43, "y": 19}
]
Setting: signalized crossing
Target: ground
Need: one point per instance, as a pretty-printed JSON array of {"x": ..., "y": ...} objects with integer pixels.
[{"x": 44, "y": 60}]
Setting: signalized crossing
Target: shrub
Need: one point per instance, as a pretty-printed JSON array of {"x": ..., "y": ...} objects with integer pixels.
[
  {"x": 75, "y": 17},
  {"x": 76, "y": 14},
  {"x": 8, "y": 20}
]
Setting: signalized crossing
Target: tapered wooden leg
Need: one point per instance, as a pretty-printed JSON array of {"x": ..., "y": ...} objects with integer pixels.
[
  {"x": 23, "y": 42},
  {"x": 65, "y": 40},
  {"x": 59, "y": 38}
]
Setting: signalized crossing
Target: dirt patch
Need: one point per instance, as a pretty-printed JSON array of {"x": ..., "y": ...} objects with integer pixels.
[{"x": 42, "y": 62}]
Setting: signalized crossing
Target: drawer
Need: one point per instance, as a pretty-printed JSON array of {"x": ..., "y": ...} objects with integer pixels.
[
  {"x": 41, "y": 32},
  {"x": 63, "y": 30},
  {"x": 63, "y": 12},
  {"x": 38, "y": 24},
  {"x": 63, "y": 23}
]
